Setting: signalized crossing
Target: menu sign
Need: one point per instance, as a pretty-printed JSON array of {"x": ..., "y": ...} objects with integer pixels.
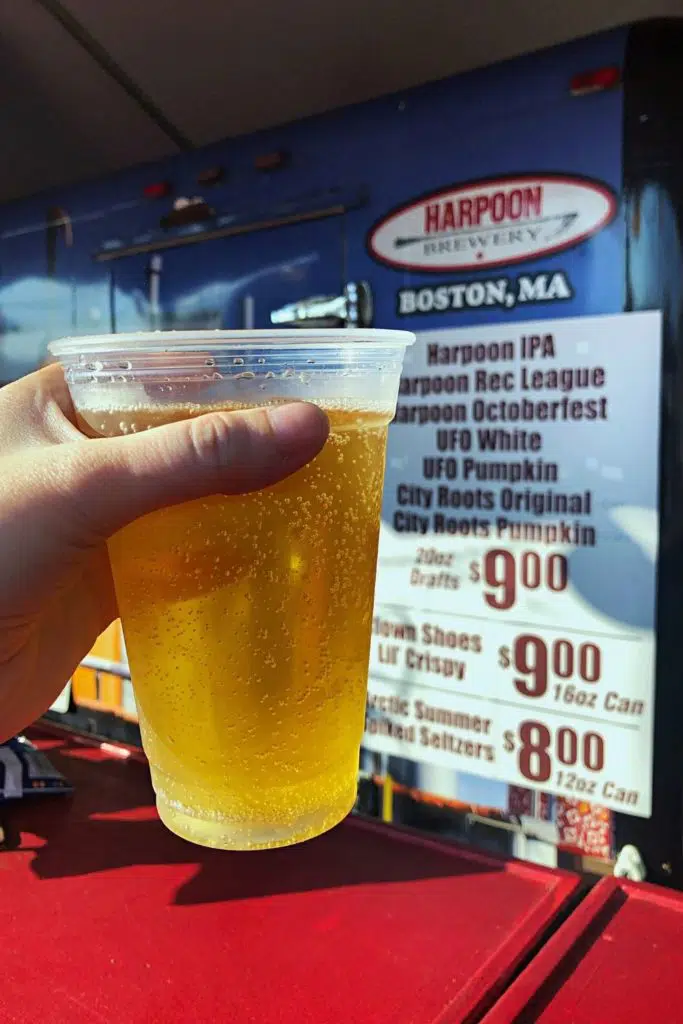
[{"x": 513, "y": 633}]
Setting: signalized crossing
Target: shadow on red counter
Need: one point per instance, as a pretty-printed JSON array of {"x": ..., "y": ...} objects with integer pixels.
[{"x": 111, "y": 823}]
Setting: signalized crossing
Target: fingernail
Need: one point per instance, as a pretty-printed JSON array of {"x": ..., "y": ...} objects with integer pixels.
[{"x": 298, "y": 427}]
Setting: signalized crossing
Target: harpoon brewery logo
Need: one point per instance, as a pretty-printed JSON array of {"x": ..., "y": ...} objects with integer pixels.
[{"x": 492, "y": 223}]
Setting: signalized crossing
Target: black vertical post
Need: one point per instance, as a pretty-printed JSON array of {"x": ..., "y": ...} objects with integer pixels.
[{"x": 653, "y": 208}]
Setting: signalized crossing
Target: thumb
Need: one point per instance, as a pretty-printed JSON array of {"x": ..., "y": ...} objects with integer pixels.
[{"x": 116, "y": 480}]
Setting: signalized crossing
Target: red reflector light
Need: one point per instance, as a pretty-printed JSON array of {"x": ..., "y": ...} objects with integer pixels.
[
  {"x": 595, "y": 81},
  {"x": 157, "y": 190},
  {"x": 271, "y": 161}
]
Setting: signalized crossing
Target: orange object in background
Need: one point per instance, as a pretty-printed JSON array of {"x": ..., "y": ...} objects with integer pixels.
[{"x": 101, "y": 682}]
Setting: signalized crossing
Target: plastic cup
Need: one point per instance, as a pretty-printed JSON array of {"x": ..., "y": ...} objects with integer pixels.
[{"x": 247, "y": 619}]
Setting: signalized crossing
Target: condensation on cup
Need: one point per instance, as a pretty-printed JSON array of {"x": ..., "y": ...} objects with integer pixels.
[{"x": 247, "y": 618}]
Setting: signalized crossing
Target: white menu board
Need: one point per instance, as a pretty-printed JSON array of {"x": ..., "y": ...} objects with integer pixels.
[{"x": 513, "y": 634}]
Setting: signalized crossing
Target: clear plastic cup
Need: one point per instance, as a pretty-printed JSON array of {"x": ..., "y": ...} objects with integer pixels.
[{"x": 247, "y": 618}]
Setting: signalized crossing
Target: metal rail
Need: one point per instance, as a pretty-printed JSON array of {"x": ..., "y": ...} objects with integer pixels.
[{"x": 113, "y": 668}]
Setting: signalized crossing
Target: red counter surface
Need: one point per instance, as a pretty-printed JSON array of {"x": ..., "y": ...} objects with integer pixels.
[
  {"x": 618, "y": 957},
  {"x": 106, "y": 916}
]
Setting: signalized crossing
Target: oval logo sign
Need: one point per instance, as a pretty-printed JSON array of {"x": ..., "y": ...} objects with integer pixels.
[{"x": 492, "y": 223}]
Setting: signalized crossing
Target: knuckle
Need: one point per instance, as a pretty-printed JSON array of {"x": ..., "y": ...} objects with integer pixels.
[
  {"x": 213, "y": 439},
  {"x": 261, "y": 423}
]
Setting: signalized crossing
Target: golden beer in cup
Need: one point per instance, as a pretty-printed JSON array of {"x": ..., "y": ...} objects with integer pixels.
[{"x": 247, "y": 618}]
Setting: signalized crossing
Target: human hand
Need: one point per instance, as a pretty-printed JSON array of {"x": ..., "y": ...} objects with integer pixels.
[{"x": 62, "y": 495}]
